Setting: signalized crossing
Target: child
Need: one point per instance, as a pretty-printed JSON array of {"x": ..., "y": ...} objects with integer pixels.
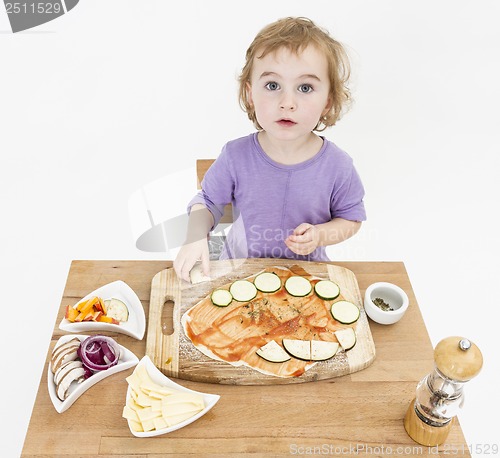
[{"x": 292, "y": 191}]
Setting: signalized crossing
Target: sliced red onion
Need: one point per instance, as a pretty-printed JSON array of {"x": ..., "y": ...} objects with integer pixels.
[
  {"x": 99, "y": 353},
  {"x": 88, "y": 373},
  {"x": 95, "y": 354},
  {"x": 108, "y": 355}
]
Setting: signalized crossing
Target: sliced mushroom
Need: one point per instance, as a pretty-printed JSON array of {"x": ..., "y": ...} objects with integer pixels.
[
  {"x": 64, "y": 368},
  {"x": 64, "y": 353},
  {"x": 67, "y": 377}
]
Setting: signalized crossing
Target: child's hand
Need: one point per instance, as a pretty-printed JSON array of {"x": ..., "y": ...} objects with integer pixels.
[
  {"x": 304, "y": 240},
  {"x": 187, "y": 257}
]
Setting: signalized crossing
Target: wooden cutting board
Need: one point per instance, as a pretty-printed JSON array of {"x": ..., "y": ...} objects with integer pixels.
[{"x": 174, "y": 354}]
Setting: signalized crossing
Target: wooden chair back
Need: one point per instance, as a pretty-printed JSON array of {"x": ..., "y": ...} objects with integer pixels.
[{"x": 202, "y": 165}]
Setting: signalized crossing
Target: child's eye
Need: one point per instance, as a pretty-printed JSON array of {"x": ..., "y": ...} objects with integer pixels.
[
  {"x": 305, "y": 88},
  {"x": 272, "y": 86}
]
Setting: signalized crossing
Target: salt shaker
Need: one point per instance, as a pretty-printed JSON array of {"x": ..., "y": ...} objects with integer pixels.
[{"x": 439, "y": 395}]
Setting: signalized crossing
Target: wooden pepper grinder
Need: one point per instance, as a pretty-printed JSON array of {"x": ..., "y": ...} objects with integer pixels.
[{"x": 439, "y": 395}]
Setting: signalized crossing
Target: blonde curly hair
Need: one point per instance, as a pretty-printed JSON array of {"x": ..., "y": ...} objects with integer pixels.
[{"x": 295, "y": 34}]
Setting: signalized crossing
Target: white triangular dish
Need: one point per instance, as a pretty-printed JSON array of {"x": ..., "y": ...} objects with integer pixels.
[
  {"x": 157, "y": 377},
  {"x": 127, "y": 360},
  {"x": 134, "y": 327}
]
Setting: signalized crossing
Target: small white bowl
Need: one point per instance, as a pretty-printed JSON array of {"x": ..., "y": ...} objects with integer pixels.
[
  {"x": 392, "y": 295},
  {"x": 126, "y": 361},
  {"x": 135, "y": 326},
  {"x": 160, "y": 379}
]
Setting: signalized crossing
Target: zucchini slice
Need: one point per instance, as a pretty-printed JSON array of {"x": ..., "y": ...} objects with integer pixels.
[
  {"x": 322, "y": 350},
  {"x": 243, "y": 290},
  {"x": 273, "y": 352},
  {"x": 298, "y": 286},
  {"x": 327, "y": 290},
  {"x": 346, "y": 338},
  {"x": 115, "y": 308},
  {"x": 267, "y": 282},
  {"x": 300, "y": 349},
  {"x": 221, "y": 297},
  {"x": 345, "y": 312}
]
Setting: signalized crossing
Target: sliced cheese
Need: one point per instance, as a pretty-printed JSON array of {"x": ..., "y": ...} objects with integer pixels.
[
  {"x": 130, "y": 414},
  {"x": 154, "y": 395},
  {"x": 136, "y": 425},
  {"x": 160, "y": 423},
  {"x": 183, "y": 398},
  {"x": 143, "y": 399},
  {"x": 156, "y": 405},
  {"x": 155, "y": 390},
  {"x": 133, "y": 395},
  {"x": 134, "y": 381},
  {"x": 148, "y": 425},
  {"x": 172, "y": 420},
  {"x": 147, "y": 414},
  {"x": 141, "y": 373},
  {"x": 151, "y": 406},
  {"x": 178, "y": 409}
]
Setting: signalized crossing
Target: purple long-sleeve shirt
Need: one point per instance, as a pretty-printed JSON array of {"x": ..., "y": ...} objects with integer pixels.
[{"x": 270, "y": 199}]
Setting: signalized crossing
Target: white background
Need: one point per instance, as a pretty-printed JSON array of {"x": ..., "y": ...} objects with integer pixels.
[{"x": 117, "y": 94}]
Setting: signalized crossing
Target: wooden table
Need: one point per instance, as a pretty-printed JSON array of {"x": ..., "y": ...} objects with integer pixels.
[{"x": 356, "y": 415}]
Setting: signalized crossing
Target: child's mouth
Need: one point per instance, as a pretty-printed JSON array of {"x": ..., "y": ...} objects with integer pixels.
[{"x": 286, "y": 122}]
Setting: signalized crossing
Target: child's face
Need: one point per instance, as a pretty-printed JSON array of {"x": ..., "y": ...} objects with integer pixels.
[{"x": 290, "y": 92}]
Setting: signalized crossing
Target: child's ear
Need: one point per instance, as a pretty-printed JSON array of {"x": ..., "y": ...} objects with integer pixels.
[
  {"x": 248, "y": 87},
  {"x": 328, "y": 106}
]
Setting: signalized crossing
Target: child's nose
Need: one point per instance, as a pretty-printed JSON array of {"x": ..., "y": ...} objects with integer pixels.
[{"x": 287, "y": 101}]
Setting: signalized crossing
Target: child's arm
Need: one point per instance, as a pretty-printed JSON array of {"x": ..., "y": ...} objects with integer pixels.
[
  {"x": 306, "y": 237},
  {"x": 195, "y": 247}
]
